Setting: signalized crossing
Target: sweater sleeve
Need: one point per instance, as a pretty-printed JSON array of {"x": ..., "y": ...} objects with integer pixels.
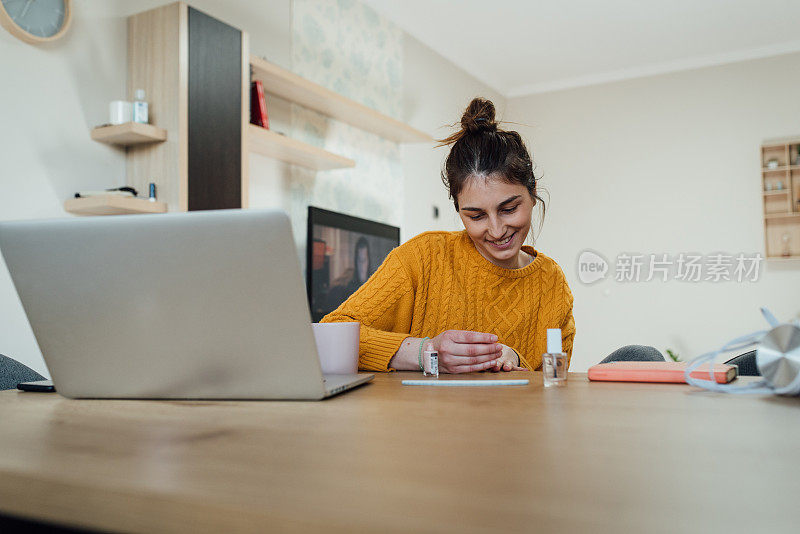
[
  {"x": 568, "y": 325},
  {"x": 523, "y": 362},
  {"x": 384, "y": 306},
  {"x": 568, "y": 335}
]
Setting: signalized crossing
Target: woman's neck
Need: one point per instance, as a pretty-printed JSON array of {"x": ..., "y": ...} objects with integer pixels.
[{"x": 523, "y": 259}]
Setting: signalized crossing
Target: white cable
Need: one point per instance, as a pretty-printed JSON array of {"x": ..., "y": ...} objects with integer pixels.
[{"x": 761, "y": 387}]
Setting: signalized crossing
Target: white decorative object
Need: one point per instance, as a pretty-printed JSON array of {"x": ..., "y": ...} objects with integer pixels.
[{"x": 119, "y": 112}]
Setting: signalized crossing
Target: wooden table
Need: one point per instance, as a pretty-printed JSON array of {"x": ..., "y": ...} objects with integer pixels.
[{"x": 591, "y": 457}]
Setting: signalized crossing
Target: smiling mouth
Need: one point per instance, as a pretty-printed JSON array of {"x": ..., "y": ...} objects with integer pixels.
[{"x": 502, "y": 241}]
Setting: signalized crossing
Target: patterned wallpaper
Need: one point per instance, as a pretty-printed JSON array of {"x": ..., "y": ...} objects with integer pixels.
[{"x": 348, "y": 48}]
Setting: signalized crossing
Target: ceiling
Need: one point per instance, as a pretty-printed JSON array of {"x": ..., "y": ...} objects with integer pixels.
[{"x": 522, "y": 47}]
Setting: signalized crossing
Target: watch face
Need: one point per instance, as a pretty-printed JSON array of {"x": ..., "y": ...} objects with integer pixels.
[{"x": 42, "y": 18}]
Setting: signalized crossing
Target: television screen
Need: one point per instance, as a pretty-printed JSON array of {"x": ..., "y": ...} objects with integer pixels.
[{"x": 342, "y": 253}]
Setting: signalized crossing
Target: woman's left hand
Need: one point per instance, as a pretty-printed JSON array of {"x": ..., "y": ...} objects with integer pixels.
[{"x": 508, "y": 361}]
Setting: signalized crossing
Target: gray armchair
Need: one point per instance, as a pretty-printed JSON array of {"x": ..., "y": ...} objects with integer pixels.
[
  {"x": 634, "y": 353},
  {"x": 12, "y": 373},
  {"x": 643, "y": 353}
]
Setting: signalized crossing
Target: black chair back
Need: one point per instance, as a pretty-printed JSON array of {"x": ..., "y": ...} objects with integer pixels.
[{"x": 747, "y": 364}]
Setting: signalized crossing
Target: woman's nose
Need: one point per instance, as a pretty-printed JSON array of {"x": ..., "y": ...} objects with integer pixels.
[{"x": 496, "y": 230}]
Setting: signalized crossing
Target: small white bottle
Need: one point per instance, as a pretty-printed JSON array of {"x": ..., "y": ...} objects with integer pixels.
[
  {"x": 554, "y": 362},
  {"x": 430, "y": 361},
  {"x": 140, "y": 107}
]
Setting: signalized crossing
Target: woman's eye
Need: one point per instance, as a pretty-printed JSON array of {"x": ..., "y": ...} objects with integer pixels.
[
  {"x": 475, "y": 217},
  {"x": 509, "y": 210}
]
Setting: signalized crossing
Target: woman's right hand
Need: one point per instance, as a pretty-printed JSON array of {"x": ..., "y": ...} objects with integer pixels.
[{"x": 464, "y": 351}]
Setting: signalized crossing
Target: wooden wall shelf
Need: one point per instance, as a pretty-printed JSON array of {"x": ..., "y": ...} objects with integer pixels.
[
  {"x": 274, "y": 145},
  {"x": 771, "y": 216},
  {"x": 783, "y": 258},
  {"x": 112, "y": 205},
  {"x": 285, "y": 84},
  {"x": 129, "y": 133},
  {"x": 782, "y": 168}
]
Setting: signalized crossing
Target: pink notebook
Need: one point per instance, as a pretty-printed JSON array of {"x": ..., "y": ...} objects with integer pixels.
[{"x": 658, "y": 372}]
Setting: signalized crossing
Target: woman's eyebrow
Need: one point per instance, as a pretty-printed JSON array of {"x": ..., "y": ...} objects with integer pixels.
[
  {"x": 506, "y": 201},
  {"x": 503, "y": 203}
]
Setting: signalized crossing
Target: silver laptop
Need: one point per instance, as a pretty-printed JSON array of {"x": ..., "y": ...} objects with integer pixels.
[{"x": 201, "y": 305}]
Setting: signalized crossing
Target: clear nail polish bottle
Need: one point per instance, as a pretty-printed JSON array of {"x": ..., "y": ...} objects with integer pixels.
[
  {"x": 430, "y": 361},
  {"x": 554, "y": 361}
]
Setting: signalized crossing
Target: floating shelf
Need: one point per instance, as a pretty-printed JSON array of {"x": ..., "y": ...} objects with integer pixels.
[
  {"x": 787, "y": 215},
  {"x": 274, "y": 145},
  {"x": 129, "y": 133},
  {"x": 782, "y": 168},
  {"x": 783, "y": 258},
  {"x": 112, "y": 205},
  {"x": 285, "y": 84},
  {"x": 780, "y": 143}
]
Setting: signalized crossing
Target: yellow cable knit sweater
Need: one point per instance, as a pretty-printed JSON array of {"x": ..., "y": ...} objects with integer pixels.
[{"x": 439, "y": 281}]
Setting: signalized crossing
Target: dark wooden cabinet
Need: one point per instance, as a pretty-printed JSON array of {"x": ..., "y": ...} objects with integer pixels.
[{"x": 195, "y": 72}]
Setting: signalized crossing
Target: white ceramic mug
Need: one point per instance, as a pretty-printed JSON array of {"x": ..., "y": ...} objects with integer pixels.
[{"x": 337, "y": 346}]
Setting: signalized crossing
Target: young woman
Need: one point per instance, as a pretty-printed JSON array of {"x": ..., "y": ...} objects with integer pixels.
[{"x": 481, "y": 296}]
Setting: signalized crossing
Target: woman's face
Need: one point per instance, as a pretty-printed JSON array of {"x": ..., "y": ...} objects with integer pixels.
[{"x": 497, "y": 216}]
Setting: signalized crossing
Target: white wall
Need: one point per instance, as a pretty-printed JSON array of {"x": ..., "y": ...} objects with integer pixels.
[
  {"x": 664, "y": 164},
  {"x": 435, "y": 94},
  {"x": 53, "y": 95}
]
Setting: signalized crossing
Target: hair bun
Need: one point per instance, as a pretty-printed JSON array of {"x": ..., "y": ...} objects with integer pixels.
[{"x": 478, "y": 116}]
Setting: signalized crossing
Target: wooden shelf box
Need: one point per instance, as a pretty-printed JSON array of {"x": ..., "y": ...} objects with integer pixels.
[{"x": 781, "y": 206}]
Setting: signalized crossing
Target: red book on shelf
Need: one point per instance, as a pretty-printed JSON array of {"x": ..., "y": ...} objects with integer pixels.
[{"x": 258, "y": 105}]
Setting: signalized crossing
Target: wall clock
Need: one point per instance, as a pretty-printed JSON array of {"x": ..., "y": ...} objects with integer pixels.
[{"x": 36, "y": 21}]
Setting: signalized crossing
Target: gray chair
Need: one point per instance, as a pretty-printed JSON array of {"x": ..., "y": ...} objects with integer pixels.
[
  {"x": 12, "y": 373},
  {"x": 643, "y": 353},
  {"x": 635, "y": 353}
]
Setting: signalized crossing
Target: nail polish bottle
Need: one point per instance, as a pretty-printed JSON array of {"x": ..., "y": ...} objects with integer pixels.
[
  {"x": 554, "y": 361},
  {"x": 430, "y": 361}
]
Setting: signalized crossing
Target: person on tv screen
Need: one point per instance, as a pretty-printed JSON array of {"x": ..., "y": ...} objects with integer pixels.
[
  {"x": 354, "y": 277},
  {"x": 481, "y": 296}
]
